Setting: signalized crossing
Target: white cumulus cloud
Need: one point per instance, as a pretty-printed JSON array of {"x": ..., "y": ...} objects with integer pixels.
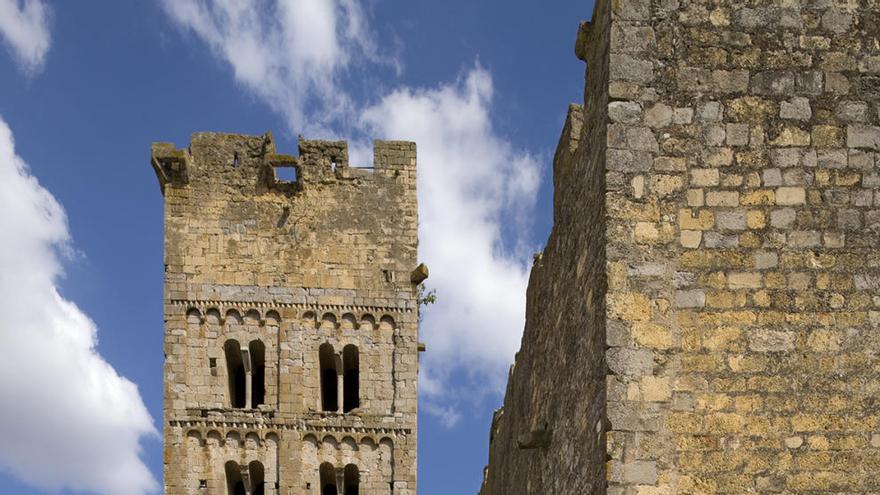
[
  {"x": 475, "y": 187},
  {"x": 67, "y": 419},
  {"x": 24, "y": 26},
  {"x": 292, "y": 54},
  {"x": 471, "y": 182}
]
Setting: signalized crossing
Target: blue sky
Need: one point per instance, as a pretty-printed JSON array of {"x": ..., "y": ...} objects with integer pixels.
[{"x": 116, "y": 76}]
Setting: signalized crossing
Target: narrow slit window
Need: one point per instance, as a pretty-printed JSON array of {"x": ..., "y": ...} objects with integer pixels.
[
  {"x": 258, "y": 373},
  {"x": 351, "y": 378},
  {"x": 237, "y": 375},
  {"x": 329, "y": 378}
]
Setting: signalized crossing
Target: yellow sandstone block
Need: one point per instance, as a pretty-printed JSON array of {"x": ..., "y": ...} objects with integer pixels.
[
  {"x": 755, "y": 219},
  {"x": 652, "y": 335},
  {"x": 704, "y": 220},
  {"x": 629, "y": 306}
]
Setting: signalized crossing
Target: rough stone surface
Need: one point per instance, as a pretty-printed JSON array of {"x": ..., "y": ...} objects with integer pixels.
[
  {"x": 747, "y": 361},
  {"x": 264, "y": 271},
  {"x": 573, "y": 262}
]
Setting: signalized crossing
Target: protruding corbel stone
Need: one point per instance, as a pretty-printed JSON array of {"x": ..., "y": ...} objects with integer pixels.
[
  {"x": 422, "y": 347},
  {"x": 419, "y": 274},
  {"x": 496, "y": 418},
  {"x": 580, "y": 46},
  {"x": 536, "y": 439},
  {"x": 169, "y": 163}
]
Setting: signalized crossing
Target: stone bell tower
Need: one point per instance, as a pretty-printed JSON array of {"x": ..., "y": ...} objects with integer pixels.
[{"x": 291, "y": 318}]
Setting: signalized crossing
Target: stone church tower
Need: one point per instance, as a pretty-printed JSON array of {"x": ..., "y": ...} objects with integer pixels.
[{"x": 291, "y": 318}]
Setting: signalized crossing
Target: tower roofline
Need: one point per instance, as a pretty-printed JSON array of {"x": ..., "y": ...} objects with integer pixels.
[{"x": 319, "y": 161}]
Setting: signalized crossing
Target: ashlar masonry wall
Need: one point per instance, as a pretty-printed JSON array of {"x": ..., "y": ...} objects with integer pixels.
[
  {"x": 262, "y": 276},
  {"x": 743, "y": 272}
]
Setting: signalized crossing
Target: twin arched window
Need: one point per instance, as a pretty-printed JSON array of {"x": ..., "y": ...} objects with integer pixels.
[
  {"x": 245, "y": 480},
  {"x": 350, "y": 478},
  {"x": 246, "y": 372},
  {"x": 331, "y": 366}
]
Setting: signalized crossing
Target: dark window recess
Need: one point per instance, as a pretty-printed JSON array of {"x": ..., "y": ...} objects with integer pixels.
[
  {"x": 351, "y": 378},
  {"x": 236, "y": 374},
  {"x": 234, "y": 483},
  {"x": 328, "y": 479},
  {"x": 352, "y": 480},
  {"x": 257, "y": 478},
  {"x": 329, "y": 377},
  {"x": 213, "y": 363},
  {"x": 258, "y": 373}
]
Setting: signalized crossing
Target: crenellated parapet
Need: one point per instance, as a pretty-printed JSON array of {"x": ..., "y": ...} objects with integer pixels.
[{"x": 254, "y": 162}]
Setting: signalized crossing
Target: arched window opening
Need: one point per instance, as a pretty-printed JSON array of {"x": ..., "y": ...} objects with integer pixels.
[
  {"x": 352, "y": 480},
  {"x": 329, "y": 378},
  {"x": 236, "y": 374},
  {"x": 351, "y": 378},
  {"x": 193, "y": 317},
  {"x": 258, "y": 478},
  {"x": 258, "y": 373},
  {"x": 234, "y": 483},
  {"x": 328, "y": 479}
]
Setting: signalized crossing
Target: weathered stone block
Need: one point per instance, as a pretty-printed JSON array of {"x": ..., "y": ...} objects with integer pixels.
[
  {"x": 863, "y": 136},
  {"x": 762, "y": 340},
  {"x": 690, "y": 298},
  {"x": 738, "y": 134},
  {"x": 658, "y": 115},
  {"x": 691, "y": 238},
  {"x": 722, "y": 198},
  {"x": 703, "y": 220},
  {"x": 705, "y": 177},
  {"x": 852, "y": 111},
  {"x": 790, "y": 196},
  {"x": 628, "y": 68},
  {"x": 797, "y": 108},
  {"x": 744, "y": 280},
  {"x": 630, "y": 362},
  {"x": 773, "y": 83},
  {"x": 730, "y": 220},
  {"x": 627, "y": 112},
  {"x": 652, "y": 335}
]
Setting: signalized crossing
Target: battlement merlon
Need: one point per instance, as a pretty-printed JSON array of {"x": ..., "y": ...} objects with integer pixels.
[
  {"x": 252, "y": 160},
  {"x": 169, "y": 163}
]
